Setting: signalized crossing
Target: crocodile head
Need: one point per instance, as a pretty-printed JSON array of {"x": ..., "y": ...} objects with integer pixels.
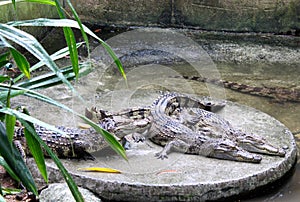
[
  {"x": 254, "y": 143},
  {"x": 227, "y": 149}
]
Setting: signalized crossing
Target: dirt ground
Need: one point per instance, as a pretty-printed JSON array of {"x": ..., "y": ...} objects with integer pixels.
[{"x": 8, "y": 182}]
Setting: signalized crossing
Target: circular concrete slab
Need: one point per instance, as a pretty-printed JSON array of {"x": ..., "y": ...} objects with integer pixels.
[{"x": 184, "y": 177}]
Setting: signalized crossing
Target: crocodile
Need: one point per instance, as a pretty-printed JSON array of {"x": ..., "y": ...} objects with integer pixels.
[
  {"x": 217, "y": 127},
  {"x": 77, "y": 143},
  {"x": 279, "y": 94},
  {"x": 159, "y": 122},
  {"x": 171, "y": 134},
  {"x": 168, "y": 135},
  {"x": 170, "y": 121},
  {"x": 216, "y": 148}
]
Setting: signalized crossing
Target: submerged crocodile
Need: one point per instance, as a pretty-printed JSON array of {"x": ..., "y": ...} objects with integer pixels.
[{"x": 280, "y": 94}]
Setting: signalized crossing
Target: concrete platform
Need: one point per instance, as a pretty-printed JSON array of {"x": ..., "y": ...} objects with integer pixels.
[{"x": 184, "y": 177}]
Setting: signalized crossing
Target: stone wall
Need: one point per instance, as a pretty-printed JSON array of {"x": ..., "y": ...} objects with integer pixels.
[
  {"x": 26, "y": 11},
  {"x": 243, "y": 15}
]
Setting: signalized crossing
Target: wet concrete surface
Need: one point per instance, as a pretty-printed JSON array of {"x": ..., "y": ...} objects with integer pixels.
[
  {"x": 258, "y": 71},
  {"x": 184, "y": 177}
]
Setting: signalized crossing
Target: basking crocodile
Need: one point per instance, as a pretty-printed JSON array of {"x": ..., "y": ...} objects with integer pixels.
[
  {"x": 166, "y": 123},
  {"x": 160, "y": 121},
  {"x": 171, "y": 134},
  {"x": 215, "y": 126},
  {"x": 280, "y": 94},
  {"x": 136, "y": 122},
  {"x": 78, "y": 143},
  {"x": 170, "y": 120}
]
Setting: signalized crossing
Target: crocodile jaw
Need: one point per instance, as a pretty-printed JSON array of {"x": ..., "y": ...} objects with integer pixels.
[
  {"x": 256, "y": 144},
  {"x": 228, "y": 150}
]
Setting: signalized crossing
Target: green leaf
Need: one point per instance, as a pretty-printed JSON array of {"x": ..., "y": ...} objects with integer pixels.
[
  {"x": 77, "y": 195},
  {"x": 74, "y": 24},
  {"x": 4, "y": 92},
  {"x": 14, "y": 3},
  {"x": 1, "y": 198},
  {"x": 55, "y": 56},
  {"x": 10, "y": 122},
  {"x": 4, "y": 78},
  {"x": 8, "y": 169},
  {"x": 50, "y": 79},
  {"x": 21, "y": 62},
  {"x": 110, "y": 139},
  {"x": 4, "y": 58},
  {"x": 35, "y": 148},
  {"x": 68, "y": 178},
  {"x": 47, "y": 2},
  {"x": 15, "y": 161},
  {"x": 31, "y": 119},
  {"x": 70, "y": 39},
  {"x": 84, "y": 35},
  {"x": 33, "y": 46},
  {"x": 11, "y": 191}
]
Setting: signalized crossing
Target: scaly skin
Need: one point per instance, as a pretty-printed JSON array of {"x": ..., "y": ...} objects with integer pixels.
[
  {"x": 170, "y": 133},
  {"x": 78, "y": 143},
  {"x": 217, "y": 127}
]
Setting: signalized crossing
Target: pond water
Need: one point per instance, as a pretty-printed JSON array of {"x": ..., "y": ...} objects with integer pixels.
[
  {"x": 105, "y": 88},
  {"x": 286, "y": 112}
]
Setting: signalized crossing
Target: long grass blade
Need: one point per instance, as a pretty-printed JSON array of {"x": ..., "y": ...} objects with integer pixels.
[
  {"x": 21, "y": 62},
  {"x": 10, "y": 122},
  {"x": 34, "y": 147},
  {"x": 8, "y": 169},
  {"x": 15, "y": 161},
  {"x": 70, "y": 39},
  {"x": 50, "y": 79},
  {"x": 34, "y": 47},
  {"x": 74, "y": 24},
  {"x": 55, "y": 56},
  {"x": 20, "y": 59},
  {"x": 108, "y": 137},
  {"x": 84, "y": 35},
  {"x": 47, "y": 2}
]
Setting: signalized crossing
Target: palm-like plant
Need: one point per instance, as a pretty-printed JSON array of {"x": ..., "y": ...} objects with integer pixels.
[{"x": 10, "y": 87}]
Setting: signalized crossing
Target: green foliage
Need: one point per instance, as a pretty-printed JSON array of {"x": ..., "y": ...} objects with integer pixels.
[{"x": 10, "y": 87}]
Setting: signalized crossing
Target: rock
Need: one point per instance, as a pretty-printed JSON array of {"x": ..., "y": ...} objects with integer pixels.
[
  {"x": 183, "y": 177},
  {"x": 61, "y": 192}
]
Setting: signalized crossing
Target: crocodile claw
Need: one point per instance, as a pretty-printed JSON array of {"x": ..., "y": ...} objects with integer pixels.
[
  {"x": 138, "y": 137},
  {"x": 161, "y": 155}
]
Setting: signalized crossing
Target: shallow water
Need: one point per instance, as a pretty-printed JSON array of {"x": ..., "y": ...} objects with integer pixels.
[
  {"x": 106, "y": 90},
  {"x": 258, "y": 75},
  {"x": 286, "y": 112}
]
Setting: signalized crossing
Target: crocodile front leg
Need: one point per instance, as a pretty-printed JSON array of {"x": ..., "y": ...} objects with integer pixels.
[{"x": 175, "y": 144}]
